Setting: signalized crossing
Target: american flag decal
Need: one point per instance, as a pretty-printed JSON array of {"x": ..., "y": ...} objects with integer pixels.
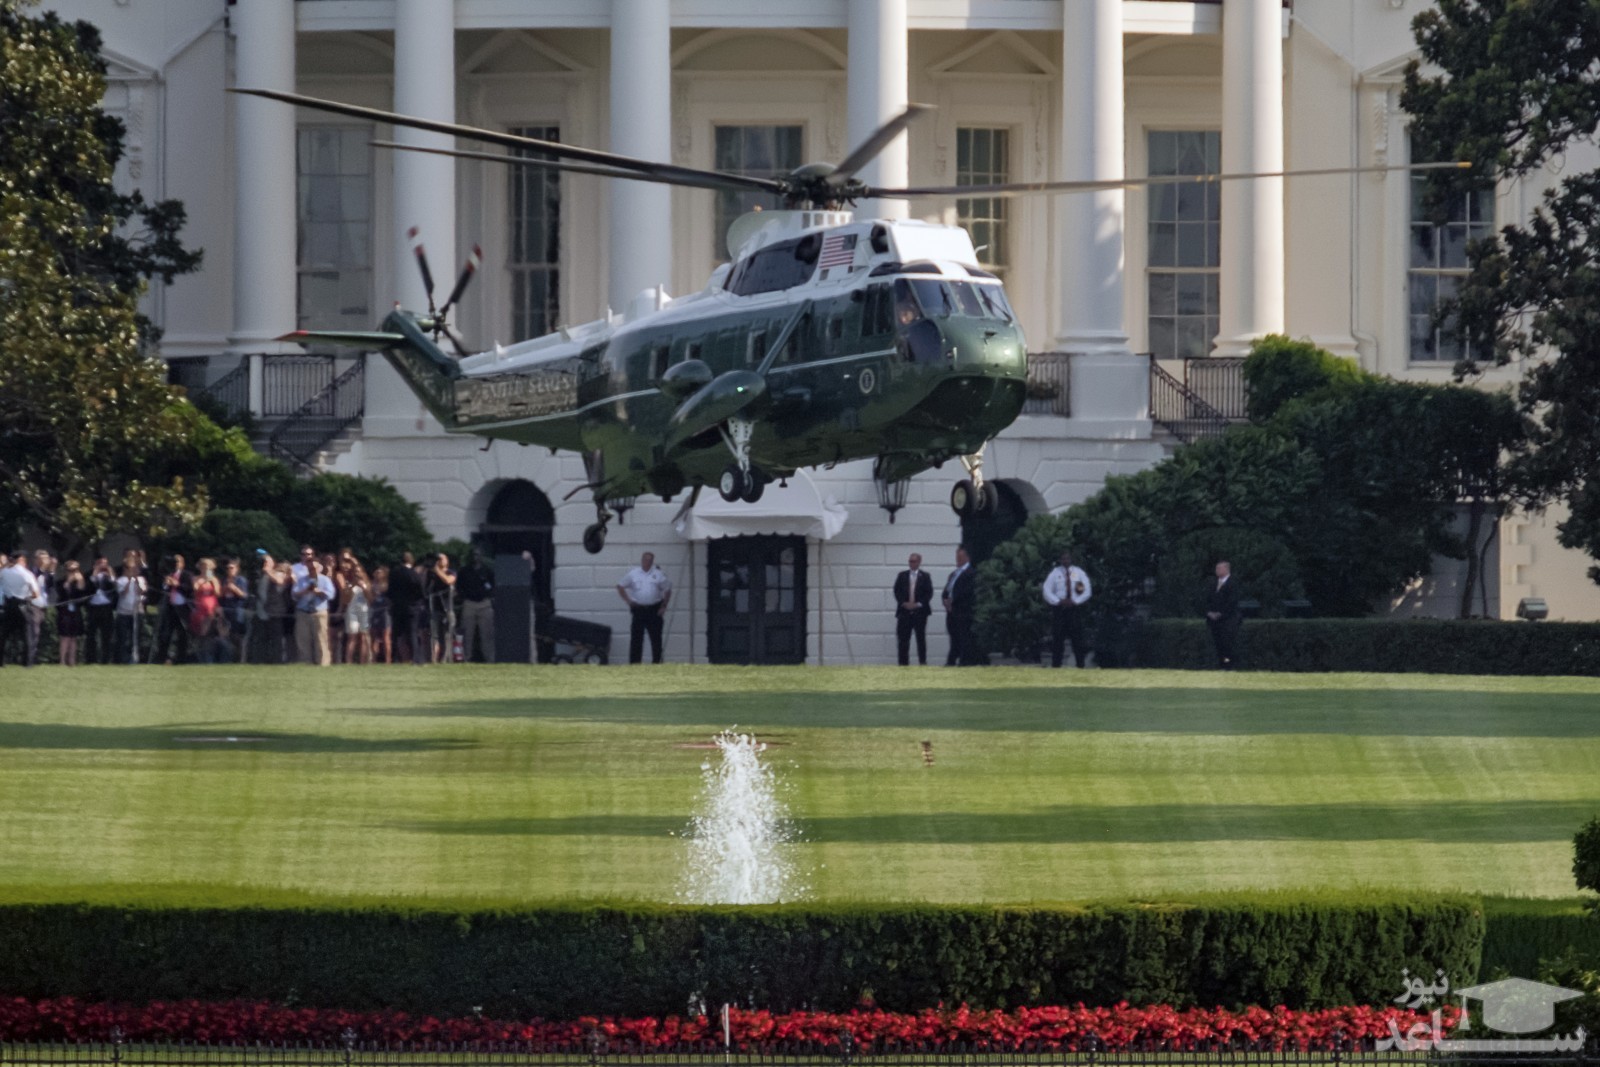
[{"x": 838, "y": 250}]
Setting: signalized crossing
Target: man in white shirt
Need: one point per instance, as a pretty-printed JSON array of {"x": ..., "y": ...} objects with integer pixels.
[
  {"x": 312, "y": 594},
  {"x": 646, "y": 591},
  {"x": 19, "y": 590},
  {"x": 1066, "y": 591}
]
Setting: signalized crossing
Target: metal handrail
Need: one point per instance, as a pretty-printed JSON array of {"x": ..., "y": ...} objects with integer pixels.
[
  {"x": 1176, "y": 407},
  {"x": 230, "y": 393},
  {"x": 1049, "y": 384},
  {"x": 286, "y": 382},
  {"x": 1219, "y": 381},
  {"x": 322, "y": 418}
]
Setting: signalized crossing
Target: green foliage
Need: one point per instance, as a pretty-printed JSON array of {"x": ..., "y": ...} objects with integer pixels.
[
  {"x": 367, "y": 515},
  {"x": 1523, "y": 935},
  {"x": 1185, "y": 572},
  {"x": 1514, "y": 87},
  {"x": 563, "y": 962},
  {"x": 1011, "y": 616},
  {"x": 80, "y": 405},
  {"x": 1400, "y": 646},
  {"x": 1342, "y": 493},
  {"x": 1279, "y": 370},
  {"x": 225, "y": 532},
  {"x": 1586, "y": 856}
]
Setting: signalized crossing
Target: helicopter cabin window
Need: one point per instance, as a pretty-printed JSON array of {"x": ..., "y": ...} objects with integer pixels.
[
  {"x": 534, "y": 262},
  {"x": 1436, "y": 263},
  {"x": 660, "y": 355},
  {"x": 692, "y": 350},
  {"x": 983, "y": 157},
  {"x": 333, "y": 255},
  {"x": 756, "y": 351},
  {"x": 777, "y": 267},
  {"x": 1184, "y": 239},
  {"x": 756, "y": 152},
  {"x": 877, "y": 311}
]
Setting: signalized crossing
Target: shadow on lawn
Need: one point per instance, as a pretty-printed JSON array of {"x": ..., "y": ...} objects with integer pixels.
[
  {"x": 1365, "y": 712},
  {"x": 207, "y": 737},
  {"x": 1438, "y": 822}
]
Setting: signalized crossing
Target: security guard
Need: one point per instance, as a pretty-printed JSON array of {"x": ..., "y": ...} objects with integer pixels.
[
  {"x": 646, "y": 591},
  {"x": 1067, "y": 590}
]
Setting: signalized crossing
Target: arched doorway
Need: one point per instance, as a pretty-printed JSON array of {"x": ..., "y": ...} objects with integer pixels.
[{"x": 521, "y": 519}]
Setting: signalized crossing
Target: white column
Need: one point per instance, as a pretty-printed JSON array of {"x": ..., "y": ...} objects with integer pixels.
[
  {"x": 877, "y": 77},
  {"x": 264, "y": 185},
  {"x": 1252, "y": 267},
  {"x": 424, "y": 185},
  {"x": 641, "y": 125},
  {"x": 1109, "y": 384}
]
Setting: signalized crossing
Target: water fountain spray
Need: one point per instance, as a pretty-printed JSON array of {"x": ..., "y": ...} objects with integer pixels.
[{"x": 737, "y": 837}]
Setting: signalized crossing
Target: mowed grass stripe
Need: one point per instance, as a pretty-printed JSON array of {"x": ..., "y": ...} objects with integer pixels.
[{"x": 515, "y": 784}]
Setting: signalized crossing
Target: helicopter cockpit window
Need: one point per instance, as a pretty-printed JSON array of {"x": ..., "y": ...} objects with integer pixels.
[
  {"x": 777, "y": 267},
  {"x": 905, "y": 304},
  {"x": 966, "y": 299},
  {"x": 994, "y": 302},
  {"x": 934, "y": 297}
]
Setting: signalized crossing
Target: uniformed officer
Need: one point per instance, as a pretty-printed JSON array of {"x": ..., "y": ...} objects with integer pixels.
[
  {"x": 646, "y": 592},
  {"x": 1067, "y": 590}
]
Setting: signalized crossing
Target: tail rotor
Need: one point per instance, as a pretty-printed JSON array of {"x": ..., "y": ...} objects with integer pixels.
[{"x": 439, "y": 316}]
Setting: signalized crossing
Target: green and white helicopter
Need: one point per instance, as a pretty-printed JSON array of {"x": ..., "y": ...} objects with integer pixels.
[{"x": 826, "y": 339}]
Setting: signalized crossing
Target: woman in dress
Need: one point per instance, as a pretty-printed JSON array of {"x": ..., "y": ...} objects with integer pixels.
[
  {"x": 206, "y": 601},
  {"x": 71, "y": 610},
  {"x": 354, "y": 600}
]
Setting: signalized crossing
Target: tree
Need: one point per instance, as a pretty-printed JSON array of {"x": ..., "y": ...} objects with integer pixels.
[
  {"x": 81, "y": 406},
  {"x": 1346, "y": 487},
  {"x": 1511, "y": 86}
]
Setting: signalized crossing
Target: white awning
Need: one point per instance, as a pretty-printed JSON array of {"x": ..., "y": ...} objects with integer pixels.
[{"x": 796, "y": 509}]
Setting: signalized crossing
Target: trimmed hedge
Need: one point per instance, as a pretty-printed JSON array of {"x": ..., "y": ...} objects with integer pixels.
[
  {"x": 1522, "y": 934},
  {"x": 1400, "y": 646},
  {"x": 561, "y": 962}
]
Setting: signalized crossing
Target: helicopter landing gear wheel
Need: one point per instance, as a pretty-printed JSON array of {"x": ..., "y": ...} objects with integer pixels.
[
  {"x": 964, "y": 499},
  {"x": 972, "y": 495},
  {"x": 755, "y": 484},
  {"x": 594, "y": 538},
  {"x": 734, "y": 483}
]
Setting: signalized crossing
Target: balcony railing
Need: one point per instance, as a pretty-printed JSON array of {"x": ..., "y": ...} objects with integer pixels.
[{"x": 1049, "y": 384}]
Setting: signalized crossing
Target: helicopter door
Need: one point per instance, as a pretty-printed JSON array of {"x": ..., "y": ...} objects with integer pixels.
[{"x": 757, "y": 610}]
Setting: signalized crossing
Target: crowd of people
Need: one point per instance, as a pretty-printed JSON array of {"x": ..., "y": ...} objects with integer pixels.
[{"x": 321, "y": 608}]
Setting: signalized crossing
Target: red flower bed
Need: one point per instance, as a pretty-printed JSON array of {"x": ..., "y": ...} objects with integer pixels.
[{"x": 1119, "y": 1027}]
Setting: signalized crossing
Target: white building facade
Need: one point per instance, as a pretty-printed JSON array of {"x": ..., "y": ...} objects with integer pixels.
[{"x": 304, "y": 223}]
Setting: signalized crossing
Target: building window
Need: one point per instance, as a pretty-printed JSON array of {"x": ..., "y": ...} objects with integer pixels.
[
  {"x": 983, "y": 157},
  {"x": 757, "y": 152},
  {"x": 535, "y": 251},
  {"x": 333, "y": 232},
  {"x": 1437, "y": 262},
  {"x": 1184, "y": 238}
]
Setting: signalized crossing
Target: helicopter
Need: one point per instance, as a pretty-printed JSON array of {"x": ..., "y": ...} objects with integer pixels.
[{"x": 826, "y": 339}]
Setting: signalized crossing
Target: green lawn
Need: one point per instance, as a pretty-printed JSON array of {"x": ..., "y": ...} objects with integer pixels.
[{"x": 525, "y": 784}]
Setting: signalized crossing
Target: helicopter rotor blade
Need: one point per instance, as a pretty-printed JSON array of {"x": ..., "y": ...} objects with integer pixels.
[
  {"x": 455, "y": 339},
  {"x": 668, "y": 172},
  {"x": 471, "y": 268},
  {"x": 1014, "y": 189},
  {"x": 551, "y": 164},
  {"x": 876, "y": 142},
  {"x": 422, "y": 264}
]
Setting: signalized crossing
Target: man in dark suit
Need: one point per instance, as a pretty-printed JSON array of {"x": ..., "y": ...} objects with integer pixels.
[
  {"x": 1223, "y": 617},
  {"x": 913, "y": 603},
  {"x": 960, "y": 596}
]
